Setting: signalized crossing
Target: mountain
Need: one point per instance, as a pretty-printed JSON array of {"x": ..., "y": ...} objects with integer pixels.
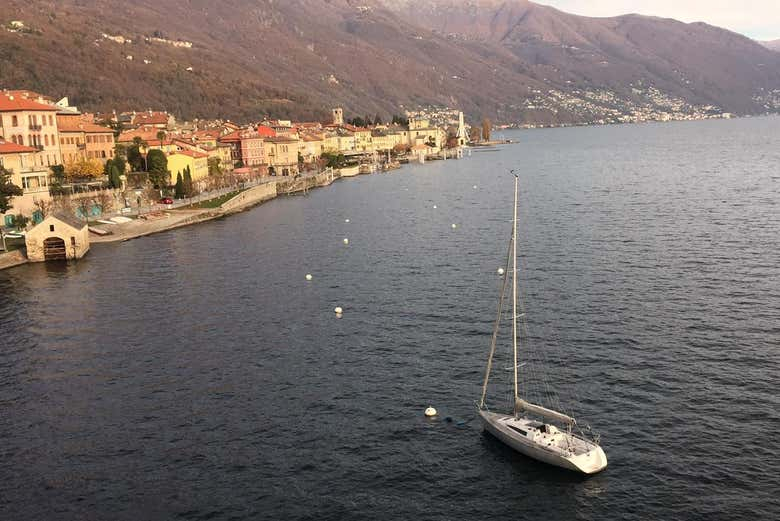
[
  {"x": 513, "y": 60},
  {"x": 772, "y": 44},
  {"x": 699, "y": 63}
]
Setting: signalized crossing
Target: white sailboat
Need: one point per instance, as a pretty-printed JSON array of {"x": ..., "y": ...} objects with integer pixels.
[{"x": 530, "y": 429}]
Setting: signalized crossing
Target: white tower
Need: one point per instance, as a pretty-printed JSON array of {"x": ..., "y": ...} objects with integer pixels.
[{"x": 462, "y": 138}]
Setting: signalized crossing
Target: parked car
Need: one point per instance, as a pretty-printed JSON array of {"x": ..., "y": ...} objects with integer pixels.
[{"x": 166, "y": 200}]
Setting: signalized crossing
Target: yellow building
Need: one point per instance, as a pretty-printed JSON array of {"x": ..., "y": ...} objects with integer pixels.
[
  {"x": 196, "y": 161},
  {"x": 312, "y": 147},
  {"x": 363, "y": 139},
  {"x": 22, "y": 162},
  {"x": 331, "y": 142},
  {"x": 382, "y": 141},
  {"x": 282, "y": 155},
  {"x": 420, "y": 131}
]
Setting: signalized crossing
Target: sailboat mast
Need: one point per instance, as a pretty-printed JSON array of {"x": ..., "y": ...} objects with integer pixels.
[{"x": 514, "y": 292}]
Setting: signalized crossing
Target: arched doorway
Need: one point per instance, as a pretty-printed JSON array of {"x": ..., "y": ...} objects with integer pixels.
[{"x": 54, "y": 249}]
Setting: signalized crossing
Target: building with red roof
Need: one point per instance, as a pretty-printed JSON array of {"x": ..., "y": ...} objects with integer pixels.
[
  {"x": 27, "y": 174},
  {"x": 31, "y": 121},
  {"x": 80, "y": 138},
  {"x": 247, "y": 146},
  {"x": 159, "y": 120},
  {"x": 265, "y": 131}
]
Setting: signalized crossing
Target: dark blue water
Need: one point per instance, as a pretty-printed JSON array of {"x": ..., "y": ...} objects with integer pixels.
[{"x": 195, "y": 374}]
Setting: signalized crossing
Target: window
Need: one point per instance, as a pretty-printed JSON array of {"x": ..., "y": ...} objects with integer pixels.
[
  {"x": 14, "y": 121},
  {"x": 51, "y": 227},
  {"x": 46, "y": 139},
  {"x": 73, "y": 241},
  {"x": 51, "y": 121}
]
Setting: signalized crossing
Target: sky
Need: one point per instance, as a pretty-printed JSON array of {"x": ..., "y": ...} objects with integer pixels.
[{"x": 758, "y": 19}]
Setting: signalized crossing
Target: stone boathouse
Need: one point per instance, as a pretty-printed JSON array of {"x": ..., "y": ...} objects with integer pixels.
[{"x": 57, "y": 237}]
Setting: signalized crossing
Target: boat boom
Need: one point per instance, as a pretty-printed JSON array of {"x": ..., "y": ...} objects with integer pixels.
[{"x": 522, "y": 405}]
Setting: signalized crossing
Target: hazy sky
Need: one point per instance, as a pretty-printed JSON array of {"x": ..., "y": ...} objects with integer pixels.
[{"x": 759, "y": 19}]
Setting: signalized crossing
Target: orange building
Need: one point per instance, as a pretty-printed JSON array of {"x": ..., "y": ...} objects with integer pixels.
[{"x": 82, "y": 139}]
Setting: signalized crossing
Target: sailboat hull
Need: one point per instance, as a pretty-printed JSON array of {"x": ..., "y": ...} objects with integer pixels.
[{"x": 579, "y": 456}]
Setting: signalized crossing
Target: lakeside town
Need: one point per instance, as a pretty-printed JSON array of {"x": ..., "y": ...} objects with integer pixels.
[{"x": 100, "y": 175}]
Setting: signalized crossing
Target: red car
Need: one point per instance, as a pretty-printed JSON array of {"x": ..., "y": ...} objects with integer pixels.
[{"x": 166, "y": 200}]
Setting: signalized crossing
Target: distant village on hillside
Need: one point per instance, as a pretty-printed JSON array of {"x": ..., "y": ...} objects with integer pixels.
[{"x": 85, "y": 165}]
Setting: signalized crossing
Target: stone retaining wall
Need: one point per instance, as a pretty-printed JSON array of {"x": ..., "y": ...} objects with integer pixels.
[{"x": 255, "y": 195}]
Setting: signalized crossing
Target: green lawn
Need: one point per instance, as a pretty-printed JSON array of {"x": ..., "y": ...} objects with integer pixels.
[{"x": 218, "y": 201}]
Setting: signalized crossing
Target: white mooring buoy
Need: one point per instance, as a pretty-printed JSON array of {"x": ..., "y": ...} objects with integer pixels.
[
  {"x": 475, "y": 187},
  {"x": 500, "y": 271},
  {"x": 434, "y": 206},
  {"x": 346, "y": 220},
  {"x": 430, "y": 412},
  {"x": 454, "y": 226},
  {"x": 338, "y": 310},
  {"x": 346, "y": 241},
  {"x": 308, "y": 276}
]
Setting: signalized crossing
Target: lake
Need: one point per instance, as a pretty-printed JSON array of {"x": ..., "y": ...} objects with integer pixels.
[{"x": 197, "y": 374}]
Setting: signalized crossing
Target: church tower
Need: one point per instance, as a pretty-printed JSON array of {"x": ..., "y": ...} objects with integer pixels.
[{"x": 338, "y": 116}]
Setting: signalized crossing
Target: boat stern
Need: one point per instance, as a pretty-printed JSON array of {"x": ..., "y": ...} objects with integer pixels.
[{"x": 591, "y": 462}]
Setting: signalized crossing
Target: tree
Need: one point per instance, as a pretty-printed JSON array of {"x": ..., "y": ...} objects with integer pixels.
[
  {"x": 114, "y": 179},
  {"x": 84, "y": 206},
  {"x": 104, "y": 200},
  {"x": 120, "y": 150},
  {"x": 333, "y": 160},
  {"x": 83, "y": 168},
  {"x": 400, "y": 120},
  {"x": 486, "y": 126},
  {"x": 474, "y": 134},
  {"x": 57, "y": 180},
  {"x": 188, "y": 188},
  {"x": 20, "y": 221},
  {"x": 157, "y": 164},
  {"x": 8, "y": 190},
  {"x": 377, "y": 120},
  {"x": 214, "y": 166},
  {"x": 45, "y": 206},
  {"x": 161, "y": 136},
  {"x": 179, "y": 190},
  {"x": 135, "y": 158}
]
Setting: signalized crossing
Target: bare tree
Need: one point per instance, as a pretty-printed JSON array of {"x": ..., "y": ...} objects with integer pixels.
[
  {"x": 45, "y": 206},
  {"x": 104, "y": 200},
  {"x": 62, "y": 203},
  {"x": 84, "y": 205},
  {"x": 486, "y": 127}
]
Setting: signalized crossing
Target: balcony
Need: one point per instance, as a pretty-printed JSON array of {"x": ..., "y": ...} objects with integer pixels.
[
  {"x": 35, "y": 128},
  {"x": 39, "y": 148},
  {"x": 82, "y": 146}
]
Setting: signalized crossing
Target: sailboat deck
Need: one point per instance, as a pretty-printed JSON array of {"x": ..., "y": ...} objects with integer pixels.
[{"x": 547, "y": 436}]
